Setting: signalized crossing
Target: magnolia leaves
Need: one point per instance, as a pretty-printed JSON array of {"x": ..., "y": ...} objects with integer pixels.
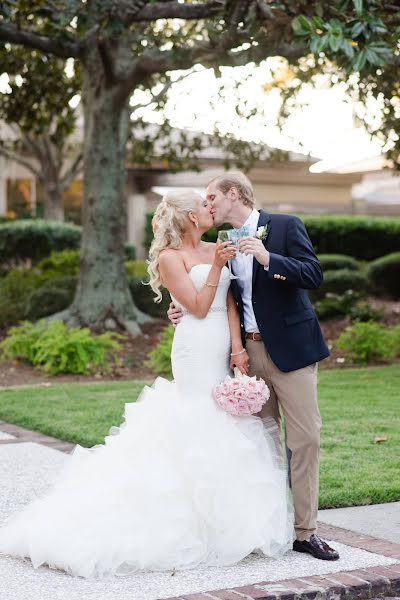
[{"x": 359, "y": 41}]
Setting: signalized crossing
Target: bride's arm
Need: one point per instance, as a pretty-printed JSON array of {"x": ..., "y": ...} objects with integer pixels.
[
  {"x": 177, "y": 281},
  {"x": 240, "y": 358}
]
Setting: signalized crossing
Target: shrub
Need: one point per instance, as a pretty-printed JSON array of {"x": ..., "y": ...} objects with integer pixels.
[
  {"x": 143, "y": 296},
  {"x": 160, "y": 356},
  {"x": 15, "y": 290},
  {"x": 333, "y": 262},
  {"x": 130, "y": 252},
  {"x": 347, "y": 304},
  {"x": 148, "y": 231},
  {"x": 57, "y": 349},
  {"x": 395, "y": 334},
  {"x": 340, "y": 281},
  {"x": 384, "y": 275},
  {"x": 366, "y": 342},
  {"x": 59, "y": 264},
  {"x": 35, "y": 238},
  {"x": 137, "y": 268},
  {"x": 363, "y": 237},
  {"x": 336, "y": 305},
  {"x": 363, "y": 311},
  {"x": 53, "y": 296}
]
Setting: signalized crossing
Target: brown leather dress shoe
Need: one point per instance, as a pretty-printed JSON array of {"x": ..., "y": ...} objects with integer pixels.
[{"x": 316, "y": 547}]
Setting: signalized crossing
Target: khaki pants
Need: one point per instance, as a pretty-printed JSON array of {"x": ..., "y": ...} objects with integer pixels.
[{"x": 294, "y": 394}]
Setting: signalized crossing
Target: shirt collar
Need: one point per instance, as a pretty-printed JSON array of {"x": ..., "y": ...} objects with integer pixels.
[{"x": 252, "y": 220}]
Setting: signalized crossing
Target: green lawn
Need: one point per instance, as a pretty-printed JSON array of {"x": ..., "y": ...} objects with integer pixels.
[{"x": 356, "y": 406}]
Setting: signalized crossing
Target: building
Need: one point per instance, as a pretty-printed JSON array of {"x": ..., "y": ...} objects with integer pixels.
[{"x": 288, "y": 186}]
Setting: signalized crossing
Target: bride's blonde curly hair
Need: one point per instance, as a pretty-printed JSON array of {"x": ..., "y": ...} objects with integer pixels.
[{"x": 169, "y": 223}]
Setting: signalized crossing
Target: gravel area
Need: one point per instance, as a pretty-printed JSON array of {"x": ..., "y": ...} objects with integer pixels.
[
  {"x": 27, "y": 469},
  {"x": 6, "y": 436}
]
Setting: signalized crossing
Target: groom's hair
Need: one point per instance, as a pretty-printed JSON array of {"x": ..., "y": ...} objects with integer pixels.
[{"x": 238, "y": 180}]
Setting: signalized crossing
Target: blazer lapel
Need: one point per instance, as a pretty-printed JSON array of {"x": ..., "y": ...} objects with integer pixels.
[{"x": 264, "y": 219}]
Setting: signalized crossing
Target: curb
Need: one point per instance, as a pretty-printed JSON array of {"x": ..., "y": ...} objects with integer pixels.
[{"x": 359, "y": 584}]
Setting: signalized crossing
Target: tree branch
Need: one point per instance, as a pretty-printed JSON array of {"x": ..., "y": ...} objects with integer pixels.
[
  {"x": 176, "y": 10},
  {"x": 203, "y": 53},
  {"x": 11, "y": 155},
  {"x": 9, "y": 32},
  {"x": 74, "y": 169}
]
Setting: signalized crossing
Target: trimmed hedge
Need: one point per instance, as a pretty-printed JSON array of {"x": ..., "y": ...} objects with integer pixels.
[
  {"x": 362, "y": 237},
  {"x": 143, "y": 297},
  {"x": 333, "y": 262},
  {"x": 384, "y": 275},
  {"x": 365, "y": 238},
  {"x": 35, "y": 238},
  {"x": 53, "y": 296},
  {"x": 340, "y": 281}
]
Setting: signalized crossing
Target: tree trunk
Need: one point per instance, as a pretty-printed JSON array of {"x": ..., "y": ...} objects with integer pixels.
[
  {"x": 53, "y": 201},
  {"x": 103, "y": 299}
]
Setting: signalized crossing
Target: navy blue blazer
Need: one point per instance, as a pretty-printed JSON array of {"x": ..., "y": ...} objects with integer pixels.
[{"x": 285, "y": 316}]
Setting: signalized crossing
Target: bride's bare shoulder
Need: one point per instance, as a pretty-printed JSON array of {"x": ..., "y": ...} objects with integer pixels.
[{"x": 170, "y": 257}]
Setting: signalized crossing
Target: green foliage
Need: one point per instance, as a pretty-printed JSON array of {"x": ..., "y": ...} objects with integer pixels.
[
  {"x": 347, "y": 304},
  {"x": 57, "y": 349},
  {"x": 362, "y": 237},
  {"x": 336, "y": 305},
  {"x": 363, "y": 311},
  {"x": 60, "y": 264},
  {"x": 333, "y": 262},
  {"x": 367, "y": 342},
  {"x": 160, "y": 356},
  {"x": 137, "y": 268},
  {"x": 143, "y": 297},
  {"x": 148, "y": 231},
  {"x": 53, "y": 296},
  {"x": 384, "y": 275},
  {"x": 130, "y": 252},
  {"x": 340, "y": 281},
  {"x": 345, "y": 237},
  {"x": 34, "y": 239},
  {"x": 15, "y": 290}
]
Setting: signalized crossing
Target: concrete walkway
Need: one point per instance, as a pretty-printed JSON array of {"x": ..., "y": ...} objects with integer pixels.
[
  {"x": 379, "y": 520},
  {"x": 368, "y": 567}
]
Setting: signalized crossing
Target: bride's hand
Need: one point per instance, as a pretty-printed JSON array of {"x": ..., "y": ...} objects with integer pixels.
[
  {"x": 224, "y": 251},
  {"x": 174, "y": 314},
  {"x": 241, "y": 361}
]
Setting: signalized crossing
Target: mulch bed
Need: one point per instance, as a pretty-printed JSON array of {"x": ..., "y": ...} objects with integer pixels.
[{"x": 135, "y": 351}]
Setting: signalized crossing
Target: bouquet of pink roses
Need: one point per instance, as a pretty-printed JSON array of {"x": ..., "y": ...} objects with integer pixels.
[{"x": 241, "y": 395}]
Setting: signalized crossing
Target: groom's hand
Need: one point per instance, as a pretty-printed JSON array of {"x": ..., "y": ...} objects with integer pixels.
[
  {"x": 254, "y": 246},
  {"x": 174, "y": 314},
  {"x": 240, "y": 361}
]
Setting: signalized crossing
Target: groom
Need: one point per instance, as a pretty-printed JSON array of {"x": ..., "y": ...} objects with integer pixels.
[{"x": 275, "y": 267}]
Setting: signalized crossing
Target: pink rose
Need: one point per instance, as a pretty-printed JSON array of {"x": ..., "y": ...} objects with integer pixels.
[
  {"x": 243, "y": 408},
  {"x": 239, "y": 394},
  {"x": 225, "y": 388}
]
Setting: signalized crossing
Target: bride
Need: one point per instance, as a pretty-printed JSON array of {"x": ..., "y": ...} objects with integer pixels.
[{"x": 181, "y": 482}]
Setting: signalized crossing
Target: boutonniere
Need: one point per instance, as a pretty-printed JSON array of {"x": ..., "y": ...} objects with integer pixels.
[{"x": 262, "y": 232}]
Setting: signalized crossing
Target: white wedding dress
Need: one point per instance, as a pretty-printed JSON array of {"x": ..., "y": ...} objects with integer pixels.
[{"x": 178, "y": 484}]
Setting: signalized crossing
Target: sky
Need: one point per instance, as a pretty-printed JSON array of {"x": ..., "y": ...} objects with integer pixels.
[{"x": 324, "y": 128}]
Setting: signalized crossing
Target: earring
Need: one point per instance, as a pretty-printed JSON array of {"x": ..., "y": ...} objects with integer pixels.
[{"x": 197, "y": 224}]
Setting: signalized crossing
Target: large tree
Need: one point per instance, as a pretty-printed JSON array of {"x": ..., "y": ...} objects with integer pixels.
[
  {"x": 40, "y": 121},
  {"x": 123, "y": 45}
]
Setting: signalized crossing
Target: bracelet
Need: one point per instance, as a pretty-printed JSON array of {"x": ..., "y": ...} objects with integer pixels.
[
  {"x": 237, "y": 353},
  {"x": 212, "y": 284}
]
